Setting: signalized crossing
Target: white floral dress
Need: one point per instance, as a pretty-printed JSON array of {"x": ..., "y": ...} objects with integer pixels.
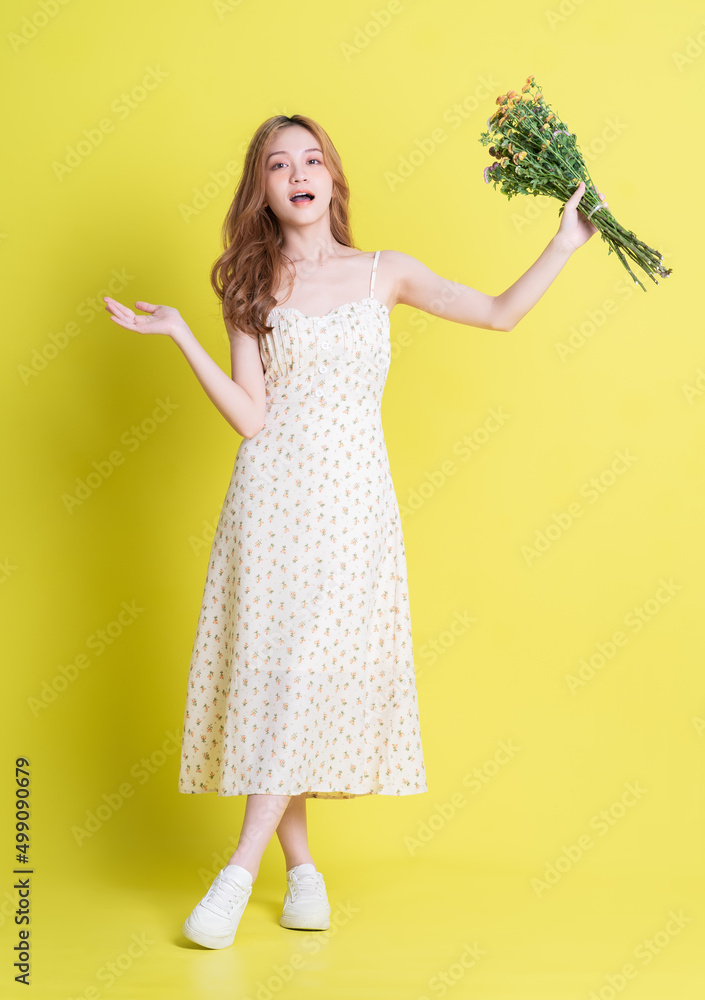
[{"x": 302, "y": 674}]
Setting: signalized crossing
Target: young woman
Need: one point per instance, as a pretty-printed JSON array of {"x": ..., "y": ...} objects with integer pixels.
[{"x": 301, "y": 681}]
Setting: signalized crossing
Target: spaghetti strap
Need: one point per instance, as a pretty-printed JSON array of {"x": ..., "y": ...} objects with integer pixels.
[{"x": 372, "y": 277}]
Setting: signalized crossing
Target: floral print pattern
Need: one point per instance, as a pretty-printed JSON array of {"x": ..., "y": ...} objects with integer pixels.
[{"x": 302, "y": 675}]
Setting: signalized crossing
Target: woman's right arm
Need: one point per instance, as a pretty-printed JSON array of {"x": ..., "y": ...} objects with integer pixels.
[{"x": 240, "y": 397}]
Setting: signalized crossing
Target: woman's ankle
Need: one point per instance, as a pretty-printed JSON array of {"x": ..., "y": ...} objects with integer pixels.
[
  {"x": 252, "y": 869},
  {"x": 299, "y": 860}
]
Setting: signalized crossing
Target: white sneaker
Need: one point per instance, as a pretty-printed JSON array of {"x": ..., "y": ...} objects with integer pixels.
[
  {"x": 306, "y": 904},
  {"x": 213, "y": 922}
]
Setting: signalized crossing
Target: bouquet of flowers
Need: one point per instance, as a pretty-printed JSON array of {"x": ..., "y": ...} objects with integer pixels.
[{"x": 535, "y": 153}]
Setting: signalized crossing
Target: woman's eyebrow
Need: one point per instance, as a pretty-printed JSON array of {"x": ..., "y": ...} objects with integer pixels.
[{"x": 283, "y": 152}]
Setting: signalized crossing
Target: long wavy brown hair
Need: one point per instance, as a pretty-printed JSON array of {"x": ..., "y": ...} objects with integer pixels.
[{"x": 250, "y": 267}]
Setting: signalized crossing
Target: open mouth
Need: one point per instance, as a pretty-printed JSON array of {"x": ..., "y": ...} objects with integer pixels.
[{"x": 302, "y": 196}]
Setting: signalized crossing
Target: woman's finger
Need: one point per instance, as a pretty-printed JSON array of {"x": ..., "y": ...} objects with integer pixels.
[
  {"x": 124, "y": 314},
  {"x": 122, "y": 323},
  {"x": 118, "y": 308},
  {"x": 112, "y": 303}
]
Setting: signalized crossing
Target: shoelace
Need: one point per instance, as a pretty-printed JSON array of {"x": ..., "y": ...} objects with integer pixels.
[
  {"x": 223, "y": 895},
  {"x": 309, "y": 886}
]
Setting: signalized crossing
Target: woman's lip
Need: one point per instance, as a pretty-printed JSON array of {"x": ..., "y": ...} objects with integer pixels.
[{"x": 303, "y": 201}]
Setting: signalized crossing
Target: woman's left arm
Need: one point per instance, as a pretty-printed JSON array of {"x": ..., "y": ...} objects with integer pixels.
[
  {"x": 575, "y": 230},
  {"x": 418, "y": 286}
]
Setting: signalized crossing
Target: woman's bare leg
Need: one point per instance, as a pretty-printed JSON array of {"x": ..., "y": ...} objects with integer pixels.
[
  {"x": 262, "y": 816},
  {"x": 293, "y": 833}
]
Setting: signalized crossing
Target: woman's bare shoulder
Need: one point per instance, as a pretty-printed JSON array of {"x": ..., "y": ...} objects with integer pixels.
[
  {"x": 415, "y": 284},
  {"x": 397, "y": 270}
]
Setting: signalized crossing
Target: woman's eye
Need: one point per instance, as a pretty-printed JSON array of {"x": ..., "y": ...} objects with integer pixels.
[{"x": 313, "y": 159}]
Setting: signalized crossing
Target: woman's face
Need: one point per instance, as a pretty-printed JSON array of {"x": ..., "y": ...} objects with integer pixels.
[{"x": 294, "y": 162}]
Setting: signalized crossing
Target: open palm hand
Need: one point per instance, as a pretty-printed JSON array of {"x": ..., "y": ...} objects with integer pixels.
[{"x": 160, "y": 319}]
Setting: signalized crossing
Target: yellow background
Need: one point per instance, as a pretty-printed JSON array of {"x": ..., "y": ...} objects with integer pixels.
[{"x": 418, "y": 882}]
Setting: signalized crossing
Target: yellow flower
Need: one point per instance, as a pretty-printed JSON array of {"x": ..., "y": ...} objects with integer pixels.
[
  {"x": 504, "y": 161},
  {"x": 502, "y": 120},
  {"x": 550, "y": 117},
  {"x": 522, "y": 154}
]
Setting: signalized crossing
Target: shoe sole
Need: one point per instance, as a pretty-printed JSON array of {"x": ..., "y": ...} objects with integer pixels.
[
  {"x": 206, "y": 940},
  {"x": 302, "y": 923}
]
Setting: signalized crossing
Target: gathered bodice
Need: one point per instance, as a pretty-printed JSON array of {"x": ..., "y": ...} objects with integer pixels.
[{"x": 336, "y": 356}]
